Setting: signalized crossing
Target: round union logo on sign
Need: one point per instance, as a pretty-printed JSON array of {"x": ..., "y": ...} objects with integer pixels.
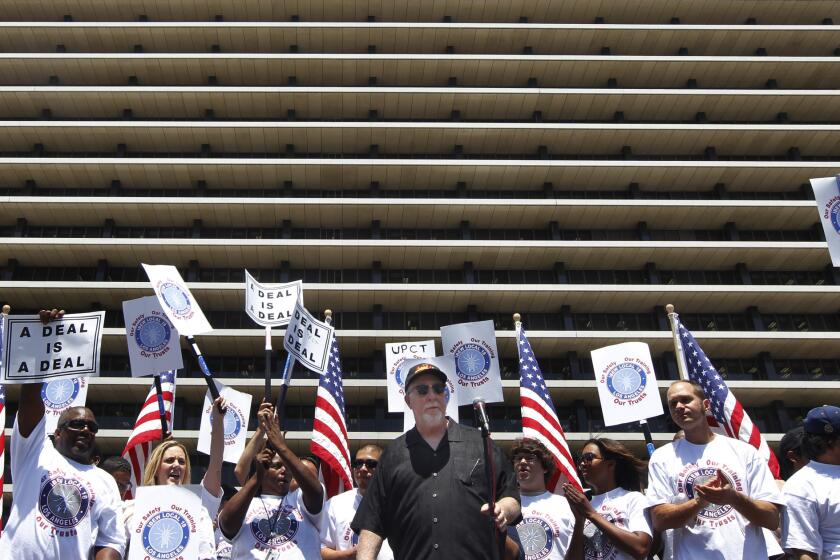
[
  {"x": 233, "y": 423},
  {"x": 833, "y": 211},
  {"x": 165, "y": 535},
  {"x": 60, "y": 393},
  {"x": 64, "y": 502},
  {"x": 537, "y": 538},
  {"x": 473, "y": 361},
  {"x": 152, "y": 333},
  {"x": 626, "y": 380},
  {"x": 175, "y": 298}
]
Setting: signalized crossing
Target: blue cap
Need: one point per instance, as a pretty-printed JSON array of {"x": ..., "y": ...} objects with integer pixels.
[{"x": 824, "y": 419}]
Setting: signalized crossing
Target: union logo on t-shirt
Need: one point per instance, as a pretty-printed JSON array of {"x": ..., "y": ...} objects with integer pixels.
[
  {"x": 284, "y": 528},
  {"x": 63, "y": 501},
  {"x": 537, "y": 538}
]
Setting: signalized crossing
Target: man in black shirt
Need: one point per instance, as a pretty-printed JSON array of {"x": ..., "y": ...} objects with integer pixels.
[{"x": 429, "y": 495}]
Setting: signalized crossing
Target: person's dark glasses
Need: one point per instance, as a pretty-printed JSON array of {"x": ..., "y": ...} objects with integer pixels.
[
  {"x": 79, "y": 425},
  {"x": 529, "y": 458},
  {"x": 423, "y": 390},
  {"x": 588, "y": 457},
  {"x": 369, "y": 463}
]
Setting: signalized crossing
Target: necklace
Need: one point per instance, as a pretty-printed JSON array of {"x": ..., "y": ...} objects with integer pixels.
[{"x": 274, "y": 518}]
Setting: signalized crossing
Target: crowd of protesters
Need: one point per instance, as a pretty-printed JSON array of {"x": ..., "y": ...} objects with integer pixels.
[{"x": 428, "y": 493}]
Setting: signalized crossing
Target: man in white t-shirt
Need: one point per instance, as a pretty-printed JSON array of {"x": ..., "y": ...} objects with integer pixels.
[
  {"x": 63, "y": 506},
  {"x": 731, "y": 492},
  {"x": 338, "y": 540},
  {"x": 267, "y": 521},
  {"x": 548, "y": 523},
  {"x": 811, "y": 522}
]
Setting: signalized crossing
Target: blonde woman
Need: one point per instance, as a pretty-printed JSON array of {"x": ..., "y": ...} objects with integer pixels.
[{"x": 169, "y": 464}]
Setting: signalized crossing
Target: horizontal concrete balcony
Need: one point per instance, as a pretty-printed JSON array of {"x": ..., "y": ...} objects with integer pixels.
[
  {"x": 497, "y": 213},
  {"x": 810, "y": 12},
  {"x": 524, "y": 298},
  {"x": 471, "y": 70},
  {"x": 437, "y": 254},
  {"x": 425, "y": 103},
  {"x": 472, "y": 139},
  {"x": 416, "y": 37},
  {"x": 306, "y": 172}
]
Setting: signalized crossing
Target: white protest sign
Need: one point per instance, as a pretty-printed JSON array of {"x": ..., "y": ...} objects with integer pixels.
[
  {"x": 446, "y": 364},
  {"x": 176, "y": 300},
  {"x": 476, "y": 360},
  {"x": 59, "y": 395},
  {"x": 164, "y": 524},
  {"x": 395, "y": 355},
  {"x": 308, "y": 339},
  {"x": 153, "y": 342},
  {"x": 66, "y": 347},
  {"x": 235, "y": 424},
  {"x": 271, "y": 305},
  {"x": 827, "y": 195},
  {"x": 626, "y": 383}
]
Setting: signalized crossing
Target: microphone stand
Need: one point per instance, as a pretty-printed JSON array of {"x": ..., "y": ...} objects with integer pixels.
[{"x": 490, "y": 474}]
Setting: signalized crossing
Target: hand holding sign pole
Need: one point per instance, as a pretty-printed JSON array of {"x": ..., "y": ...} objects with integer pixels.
[{"x": 183, "y": 311}]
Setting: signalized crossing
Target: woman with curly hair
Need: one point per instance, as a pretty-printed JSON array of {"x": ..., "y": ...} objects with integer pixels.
[{"x": 616, "y": 524}]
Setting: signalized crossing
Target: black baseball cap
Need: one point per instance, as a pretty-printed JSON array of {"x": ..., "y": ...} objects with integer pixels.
[{"x": 423, "y": 369}]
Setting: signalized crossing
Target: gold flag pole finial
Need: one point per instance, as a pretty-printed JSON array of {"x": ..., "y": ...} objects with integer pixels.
[
  {"x": 669, "y": 308},
  {"x": 6, "y": 309}
]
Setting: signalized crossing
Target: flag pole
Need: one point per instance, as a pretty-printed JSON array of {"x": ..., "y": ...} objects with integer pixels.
[
  {"x": 202, "y": 363},
  {"x": 678, "y": 349},
  {"x": 164, "y": 430},
  {"x": 267, "y": 388}
]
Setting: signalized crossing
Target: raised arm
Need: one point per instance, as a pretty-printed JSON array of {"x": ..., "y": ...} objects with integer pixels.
[
  {"x": 234, "y": 511},
  {"x": 313, "y": 492},
  {"x": 212, "y": 481},
  {"x": 255, "y": 445},
  {"x": 31, "y": 406}
]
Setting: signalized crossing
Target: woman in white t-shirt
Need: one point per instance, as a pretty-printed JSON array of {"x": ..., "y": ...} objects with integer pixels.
[
  {"x": 616, "y": 524},
  {"x": 169, "y": 464}
]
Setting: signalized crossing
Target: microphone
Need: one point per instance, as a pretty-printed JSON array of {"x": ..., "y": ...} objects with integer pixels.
[{"x": 481, "y": 417}]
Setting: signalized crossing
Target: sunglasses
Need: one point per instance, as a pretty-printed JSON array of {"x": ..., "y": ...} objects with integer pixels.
[
  {"x": 79, "y": 425},
  {"x": 369, "y": 463},
  {"x": 527, "y": 457},
  {"x": 588, "y": 457},
  {"x": 423, "y": 390}
]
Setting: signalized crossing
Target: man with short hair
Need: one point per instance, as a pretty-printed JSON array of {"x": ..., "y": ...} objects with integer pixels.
[
  {"x": 731, "y": 493},
  {"x": 337, "y": 538},
  {"x": 120, "y": 469},
  {"x": 429, "y": 495},
  {"x": 811, "y": 521},
  {"x": 63, "y": 507},
  {"x": 548, "y": 522}
]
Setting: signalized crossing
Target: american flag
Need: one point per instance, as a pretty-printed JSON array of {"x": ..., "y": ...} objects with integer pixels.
[
  {"x": 147, "y": 429},
  {"x": 727, "y": 416},
  {"x": 329, "y": 432},
  {"x": 539, "y": 418}
]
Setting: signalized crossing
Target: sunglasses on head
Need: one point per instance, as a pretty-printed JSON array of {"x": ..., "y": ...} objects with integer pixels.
[
  {"x": 79, "y": 425},
  {"x": 423, "y": 390},
  {"x": 588, "y": 457},
  {"x": 369, "y": 463}
]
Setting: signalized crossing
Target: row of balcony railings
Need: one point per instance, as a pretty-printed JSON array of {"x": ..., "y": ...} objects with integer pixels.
[
  {"x": 650, "y": 275},
  {"x": 550, "y": 233},
  {"x": 119, "y": 191}
]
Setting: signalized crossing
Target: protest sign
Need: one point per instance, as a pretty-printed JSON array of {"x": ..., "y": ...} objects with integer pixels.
[
  {"x": 271, "y": 305},
  {"x": 395, "y": 355},
  {"x": 476, "y": 360},
  {"x": 66, "y": 347},
  {"x": 153, "y": 342},
  {"x": 308, "y": 339},
  {"x": 446, "y": 364},
  {"x": 176, "y": 300},
  {"x": 59, "y": 395},
  {"x": 626, "y": 383},
  {"x": 236, "y": 422},
  {"x": 827, "y": 195},
  {"x": 165, "y": 523}
]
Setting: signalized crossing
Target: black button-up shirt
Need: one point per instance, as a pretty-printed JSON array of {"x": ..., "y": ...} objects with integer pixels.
[{"x": 427, "y": 502}]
